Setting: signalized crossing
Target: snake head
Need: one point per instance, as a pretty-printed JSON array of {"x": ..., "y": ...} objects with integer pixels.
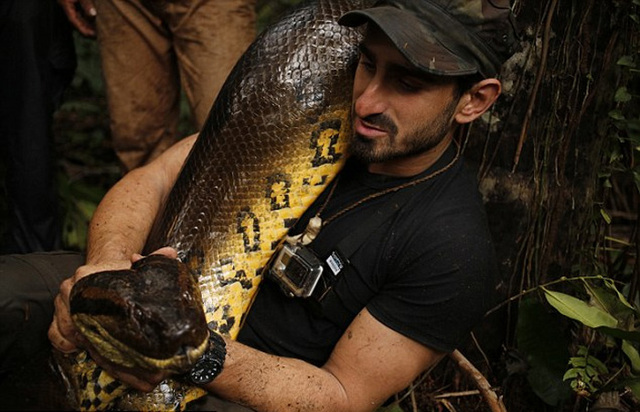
[{"x": 150, "y": 316}]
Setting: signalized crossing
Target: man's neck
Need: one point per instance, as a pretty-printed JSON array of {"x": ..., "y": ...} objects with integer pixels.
[{"x": 411, "y": 166}]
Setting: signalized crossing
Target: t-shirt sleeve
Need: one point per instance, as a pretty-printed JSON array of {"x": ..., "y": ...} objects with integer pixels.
[{"x": 440, "y": 281}]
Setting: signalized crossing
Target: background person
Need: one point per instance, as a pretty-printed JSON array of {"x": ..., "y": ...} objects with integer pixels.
[
  {"x": 37, "y": 63},
  {"x": 150, "y": 51}
]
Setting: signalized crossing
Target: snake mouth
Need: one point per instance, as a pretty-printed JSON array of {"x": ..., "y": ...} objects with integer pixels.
[{"x": 124, "y": 355}]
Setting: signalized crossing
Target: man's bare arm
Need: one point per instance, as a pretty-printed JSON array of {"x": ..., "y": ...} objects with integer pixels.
[
  {"x": 123, "y": 220},
  {"x": 370, "y": 363},
  {"x": 119, "y": 229}
]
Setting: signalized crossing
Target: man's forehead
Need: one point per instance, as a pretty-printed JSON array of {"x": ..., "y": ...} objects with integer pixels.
[{"x": 377, "y": 46}]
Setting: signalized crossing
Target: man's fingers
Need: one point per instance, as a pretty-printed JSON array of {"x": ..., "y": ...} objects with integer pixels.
[
  {"x": 167, "y": 251},
  {"x": 58, "y": 340},
  {"x": 89, "y": 8},
  {"x": 136, "y": 378},
  {"x": 62, "y": 332},
  {"x": 82, "y": 21}
]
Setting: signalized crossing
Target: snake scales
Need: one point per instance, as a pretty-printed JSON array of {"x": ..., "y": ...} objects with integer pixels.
[{"x": 274, "y": 139}]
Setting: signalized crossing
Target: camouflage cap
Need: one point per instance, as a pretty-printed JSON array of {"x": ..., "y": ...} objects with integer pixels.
[{"x": 445, "y": 37}]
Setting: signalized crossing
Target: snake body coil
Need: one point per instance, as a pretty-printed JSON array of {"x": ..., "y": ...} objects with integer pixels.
[{"x": 274, "y": 139}]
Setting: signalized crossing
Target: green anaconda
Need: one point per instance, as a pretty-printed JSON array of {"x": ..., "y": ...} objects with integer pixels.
[{"x": 275, "y": 137}]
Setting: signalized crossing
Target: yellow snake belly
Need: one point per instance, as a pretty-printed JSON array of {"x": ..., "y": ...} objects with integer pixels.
[{"x": 274, "y": 139}]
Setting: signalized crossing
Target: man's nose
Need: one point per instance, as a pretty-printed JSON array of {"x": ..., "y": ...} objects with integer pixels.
[{"x": 372, "y": 99}]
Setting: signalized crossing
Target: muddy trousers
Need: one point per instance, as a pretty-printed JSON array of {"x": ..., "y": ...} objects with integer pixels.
[
  {"x": 150, "y": 51},
  {"x": 28, "y": 286},
  {"x": 37, "y": 62}
]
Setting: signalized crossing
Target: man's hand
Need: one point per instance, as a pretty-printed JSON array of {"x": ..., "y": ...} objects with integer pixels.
[
  {"x": 62, "y": 332},
  {"x": 82, "y": 17},
  {"x": 136, "y": 378},
  {"x": 67, "y": 339}
]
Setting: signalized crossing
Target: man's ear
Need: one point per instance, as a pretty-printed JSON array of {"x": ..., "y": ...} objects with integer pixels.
[{"x": 477, "y": 100}]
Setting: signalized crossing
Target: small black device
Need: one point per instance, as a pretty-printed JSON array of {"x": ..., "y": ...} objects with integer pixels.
[{"x": 296, "y": 269}]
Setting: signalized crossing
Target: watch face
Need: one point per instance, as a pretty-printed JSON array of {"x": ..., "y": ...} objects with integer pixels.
[{"x": 210, "y": 364}]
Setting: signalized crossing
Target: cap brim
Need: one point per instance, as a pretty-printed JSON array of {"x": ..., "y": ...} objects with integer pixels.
[{"x": 422, "y": 47}]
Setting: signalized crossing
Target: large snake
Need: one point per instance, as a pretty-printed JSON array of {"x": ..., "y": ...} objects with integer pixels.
[{"x": 274, "y": 139}]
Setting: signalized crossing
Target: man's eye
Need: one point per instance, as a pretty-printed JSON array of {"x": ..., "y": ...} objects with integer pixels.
[
  {"x": 409, "y": 85},
  {"x": 367, "y": 65}
]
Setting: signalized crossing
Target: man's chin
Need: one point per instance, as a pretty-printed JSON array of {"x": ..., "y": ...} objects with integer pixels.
[
  {"x": 367, "y": 154},
  {"x": 363, "y": 149}
]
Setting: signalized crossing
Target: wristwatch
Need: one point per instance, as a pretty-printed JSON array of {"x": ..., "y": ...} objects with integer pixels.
[{"x": 209, "y": 366}]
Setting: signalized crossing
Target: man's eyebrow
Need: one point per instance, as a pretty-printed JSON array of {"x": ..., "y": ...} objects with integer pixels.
[{"x": 399, "y": 69}]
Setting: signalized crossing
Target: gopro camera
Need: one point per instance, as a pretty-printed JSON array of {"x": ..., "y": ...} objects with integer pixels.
[{"x": 297, "y": 270}]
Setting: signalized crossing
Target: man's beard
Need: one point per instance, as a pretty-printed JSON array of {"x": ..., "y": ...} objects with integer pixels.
[{"x": 417, "y": 142}]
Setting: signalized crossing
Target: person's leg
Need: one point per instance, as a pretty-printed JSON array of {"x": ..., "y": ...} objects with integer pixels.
[
  {"x": 141, "y": 80},
  {"x": 37, "y": 61},
  {"x": 28, "y": 285},
  {"x": 209, "y": 38}
]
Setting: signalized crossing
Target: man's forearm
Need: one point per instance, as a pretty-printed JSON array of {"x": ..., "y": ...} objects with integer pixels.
[
  {"x": 123, "y": 219},
  {"x": 369, "y": 363},
  {"x": 272, "y": 383}
]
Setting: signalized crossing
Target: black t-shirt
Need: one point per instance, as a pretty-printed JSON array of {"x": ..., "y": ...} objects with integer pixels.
[{"x": 427, "y": 272}]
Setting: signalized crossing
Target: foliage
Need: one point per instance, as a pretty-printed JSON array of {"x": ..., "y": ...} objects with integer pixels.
[
  {"x": 601, "y": 319},
  {"x": 585, "y": 373},
  {"x": 86, "y": 165},
  {"x": 268, "y": 11},
  {"x": 540, "y": 337},
  {"x": 618, "y": 325}
]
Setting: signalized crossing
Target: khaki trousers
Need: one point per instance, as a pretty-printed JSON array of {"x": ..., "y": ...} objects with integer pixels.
[{"x": 150, "y": 49}]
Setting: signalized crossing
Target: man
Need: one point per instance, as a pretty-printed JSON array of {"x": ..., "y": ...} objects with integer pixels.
[
  {"x": 418, "y": 281},
  {"x": 152, "y": 49}
]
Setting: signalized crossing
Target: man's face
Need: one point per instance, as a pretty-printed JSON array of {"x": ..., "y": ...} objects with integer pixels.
[{"x": 399, "y": 113}]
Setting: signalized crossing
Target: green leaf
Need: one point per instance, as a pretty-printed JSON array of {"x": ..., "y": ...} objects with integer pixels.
[
  {"x": 599, "y": 366},
  {"x": 616, "y": 115},
  {"x": 632, "y": 354},
  {"x": 613, "y": 302},
  {"x": 622, "y": 95},
  {"x": 634, "y": 385},
  {"x": 570, "y": 374},
  {"x": 621, "y": 333},
  {"x": 578, "y": 310},
  {"x": 541, "y": 339},
  {"x": 605, "y": 216},
  {"x": 626, "y": 61}
]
